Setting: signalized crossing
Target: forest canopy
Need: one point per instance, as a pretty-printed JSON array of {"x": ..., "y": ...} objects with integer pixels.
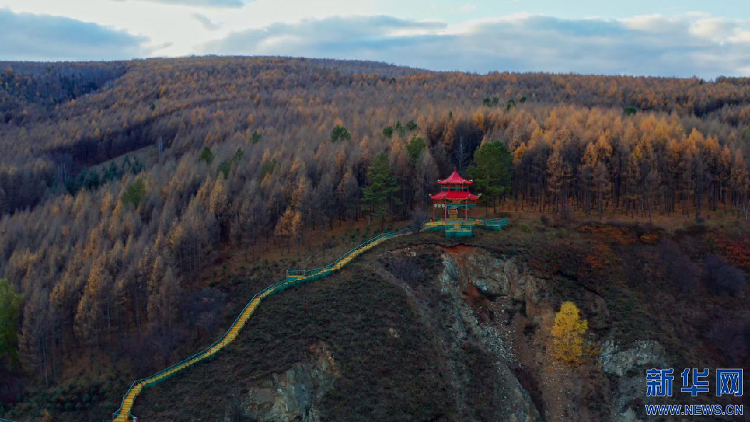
[{"x": 120, "y": 181}]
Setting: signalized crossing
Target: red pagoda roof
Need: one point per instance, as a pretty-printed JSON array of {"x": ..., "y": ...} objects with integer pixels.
[
  {"x": 455, "y": 195},
  {"x": 455, "y": 179}
]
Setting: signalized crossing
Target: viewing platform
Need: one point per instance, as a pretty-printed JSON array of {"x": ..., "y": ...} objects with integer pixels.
[{"x": 464, "y": 227}]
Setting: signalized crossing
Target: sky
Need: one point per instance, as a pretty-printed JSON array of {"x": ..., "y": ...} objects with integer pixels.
[{"x": 637, "y": 37}]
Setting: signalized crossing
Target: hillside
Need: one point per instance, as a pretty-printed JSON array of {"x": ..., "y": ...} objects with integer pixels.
[
  {"x": 423, "y": 328},
  {"x": 142, "y": 203}
]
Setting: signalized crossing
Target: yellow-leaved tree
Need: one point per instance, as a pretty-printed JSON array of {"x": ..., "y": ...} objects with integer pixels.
[{"x": 567, "y": 334}]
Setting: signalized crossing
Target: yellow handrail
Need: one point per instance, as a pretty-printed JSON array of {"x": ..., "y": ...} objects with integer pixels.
[{"x": 123, "y": 413}]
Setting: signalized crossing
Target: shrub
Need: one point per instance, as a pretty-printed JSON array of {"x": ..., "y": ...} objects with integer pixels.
[
  {"x": 732, "y": 338},
  {"x": 525, "y": 228},
  {"x": 677, "y": 267},
  {"x": 723, "y": 277}
]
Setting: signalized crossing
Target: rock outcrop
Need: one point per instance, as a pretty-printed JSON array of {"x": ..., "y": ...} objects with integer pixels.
[
  {"x": 629, "y": 366},
  {"x": 294, "y": 394},
  {"x": 617, "y": 361}
]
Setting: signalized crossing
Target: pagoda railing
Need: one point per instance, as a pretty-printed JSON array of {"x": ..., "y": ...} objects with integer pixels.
[{"x": 495, "y": 222}]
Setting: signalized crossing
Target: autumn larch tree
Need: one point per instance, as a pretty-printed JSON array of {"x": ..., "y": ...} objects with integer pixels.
[
  {"x": 653, "y": 189},
  {"x": 289, "y": 225},
  {"x": 348, "y": 197},
  {"x": 740, "y": 185},
  {"x": 568, "y": 334},
  {"x": 426, "y": 177},
  {"x": 602, "y": 186},
  {"x": 558, "y": 173}
]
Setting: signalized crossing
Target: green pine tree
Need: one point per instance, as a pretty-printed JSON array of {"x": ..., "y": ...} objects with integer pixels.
[
  {"x": 415, "y": 147},
  {"x": 134, "y": 193},
  {"x": 492, "y": 170},
  {"x": 399, "y": 128},
  {"x": 381, "y": 194},
  {"x": 10, "y": 303},
  {"x": 206, "y": 155},
  {"x": 339, "y": 133},
  {"x": 224, "y": 168}
]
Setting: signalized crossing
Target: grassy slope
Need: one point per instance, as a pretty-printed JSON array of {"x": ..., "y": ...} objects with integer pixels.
[{"x": 352, "y": 312}]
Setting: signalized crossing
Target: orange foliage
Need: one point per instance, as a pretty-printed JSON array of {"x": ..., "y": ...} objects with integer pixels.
[
  {"x": 736, "y": 251},
  {"x": 599, "y": 256},
  {"x": 649, "y": 238},
  {"x": 619, "y": 235}
]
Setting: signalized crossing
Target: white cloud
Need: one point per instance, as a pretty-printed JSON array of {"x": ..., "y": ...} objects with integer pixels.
[
  {"x": 199, "y": 3},
  {"x": 644, "y": 45},
  {"x": 694, "y": 43},
  {"x": 28, "y": 36},
  {"x": 206, "y": 22},
  {"x": 651, "y": 23},
  {"x": 335, "y": 36},
  {"x": 740, "y": 36},
  {"x": 711, "y": 28}
]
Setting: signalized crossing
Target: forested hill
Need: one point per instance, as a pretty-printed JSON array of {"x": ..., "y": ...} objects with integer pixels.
[
  {"x": 119, "y": 182},
  {"x": 53, "y": 129}
]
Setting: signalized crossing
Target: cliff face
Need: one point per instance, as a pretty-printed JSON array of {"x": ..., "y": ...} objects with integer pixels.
[{"x": 494, "y": 310}]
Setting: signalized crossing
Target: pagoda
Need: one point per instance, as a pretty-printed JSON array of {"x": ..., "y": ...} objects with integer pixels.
[{"x": 454, "y": 199}]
